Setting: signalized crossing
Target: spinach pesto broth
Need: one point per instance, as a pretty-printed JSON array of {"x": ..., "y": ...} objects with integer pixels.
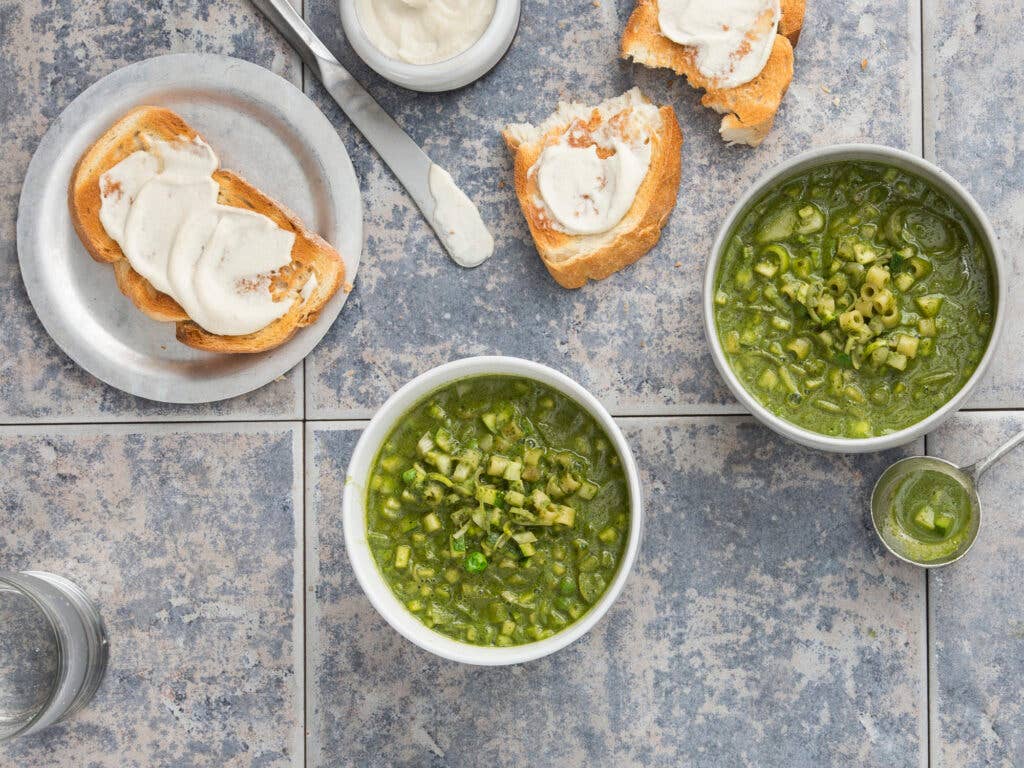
[
  {"x": 929, "y": 515},
  {"x": 854, "y": 299},
  {"x": 498, "y": 511}
]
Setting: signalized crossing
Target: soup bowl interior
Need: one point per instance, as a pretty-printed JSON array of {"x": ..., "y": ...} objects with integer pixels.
[
  {"x": 912, "y": 164},
  {"x": 354, "y": 510}
]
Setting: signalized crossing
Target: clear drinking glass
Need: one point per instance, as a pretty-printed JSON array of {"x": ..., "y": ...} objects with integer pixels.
[{"x": 53, "y": 651}]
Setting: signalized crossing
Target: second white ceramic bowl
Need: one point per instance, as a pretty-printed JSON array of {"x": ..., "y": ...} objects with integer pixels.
[
  {"x": 872, "y": 153},
  {"x": 460, "y": 70},
  {"x": 354, "y": 510}
]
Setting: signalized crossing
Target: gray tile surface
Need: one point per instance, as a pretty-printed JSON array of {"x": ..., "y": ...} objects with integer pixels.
[
  {"x": 189, "y": 539},
  {"x": 977, "y": 611},
  {"x": 974, "y": 99},
  {"x": 49, "y": 53},
  {"x": 762, "y": 626},
  {"x": 635, "y": 339}
]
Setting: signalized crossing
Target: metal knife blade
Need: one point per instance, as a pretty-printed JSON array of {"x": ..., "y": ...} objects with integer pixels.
[{"x": 407, "y": 161}]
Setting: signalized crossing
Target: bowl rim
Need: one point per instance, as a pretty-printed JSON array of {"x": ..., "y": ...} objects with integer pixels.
[
  {"x": 908, "y": 162},
  {"x": 456, "y": 72},
  {"x": 354, "y": 514}
]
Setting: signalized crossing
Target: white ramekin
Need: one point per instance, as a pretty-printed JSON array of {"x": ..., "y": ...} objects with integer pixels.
[
  {"x": 460, "y": 70},
  {"x": 354, "y": 511},
  {"x": 905, "y": 161}
]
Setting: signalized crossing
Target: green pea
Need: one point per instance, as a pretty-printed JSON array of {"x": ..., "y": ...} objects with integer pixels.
[{"x": 476, "y": 562}]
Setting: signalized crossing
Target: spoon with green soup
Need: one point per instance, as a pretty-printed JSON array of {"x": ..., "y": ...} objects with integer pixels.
[{"x": 927, "y": 511}]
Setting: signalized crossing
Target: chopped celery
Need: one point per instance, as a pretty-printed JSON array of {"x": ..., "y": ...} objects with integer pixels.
[{"x": 402, "y": 554}]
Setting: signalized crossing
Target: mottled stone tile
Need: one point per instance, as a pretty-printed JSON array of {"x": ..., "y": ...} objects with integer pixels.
[
  {"x": 189, "y": 539},
  {"x": 973, "y": 100},
  {"x": 635, "y": 339},
  {"x": 763, "y": 625},
  {"x": 977, "y": 610},
  {"x": 50, "y": 51}
]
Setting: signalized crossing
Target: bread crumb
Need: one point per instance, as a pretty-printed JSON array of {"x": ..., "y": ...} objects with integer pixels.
[
  {"x": 678, "y": 264},
  {"x": 836, "y": 101},
  {"x": 596, "y": 3},
  {"x": 501, "y": 184},
  {"x": 826, "y": 89},
  {"x": 863, "y": 64},
  {"x": 347, "y": 287}
]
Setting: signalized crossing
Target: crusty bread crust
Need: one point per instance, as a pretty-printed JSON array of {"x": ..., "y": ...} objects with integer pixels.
[
  {"x": 792, "y": 21},
  {"x": 750, "y": 108},
  {"x": 311, "y": 254},
  {"x": 574, "y": 259}
]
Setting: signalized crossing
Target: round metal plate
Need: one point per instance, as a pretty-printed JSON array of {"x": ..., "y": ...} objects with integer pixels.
[{"x": 261, "y": 126}]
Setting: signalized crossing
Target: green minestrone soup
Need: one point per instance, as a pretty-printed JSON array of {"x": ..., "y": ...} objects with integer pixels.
[
  {"x": 498, "y": 511},
  {"x": 854, "y": 299}
]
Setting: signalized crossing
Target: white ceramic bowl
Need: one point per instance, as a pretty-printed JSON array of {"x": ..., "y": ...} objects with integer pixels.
[
  {"x": 941, "y": 181},
  {"x": 460, "y": 70},
  {"x": 354, "y": 511}
]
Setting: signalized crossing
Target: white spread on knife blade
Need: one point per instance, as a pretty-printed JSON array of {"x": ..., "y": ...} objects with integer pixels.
[
  {"x": 457, "y": 221},
  {"x": 217, "y": 261},
  {"x": 424, "y": 31},
  {"x": 733, "y": 38}
]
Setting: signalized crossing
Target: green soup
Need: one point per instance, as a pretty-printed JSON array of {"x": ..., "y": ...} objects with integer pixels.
[
  {"x": 498, "y": 511},
  {"x": 929, "y": 514},
  {"x": 854, "y": 299}
]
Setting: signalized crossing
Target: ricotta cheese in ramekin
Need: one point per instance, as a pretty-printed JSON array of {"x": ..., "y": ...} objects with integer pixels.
[{"x": 424, "y": 31}]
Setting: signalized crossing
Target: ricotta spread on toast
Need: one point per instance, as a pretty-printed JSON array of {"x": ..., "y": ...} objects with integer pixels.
[
  {"x": 732, "y": 38},
  {"x": 160, "y": 206},
  {"x": 589, "y": 178}
]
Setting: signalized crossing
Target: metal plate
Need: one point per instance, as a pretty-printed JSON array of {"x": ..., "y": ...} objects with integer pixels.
[{"x": 261, "y": 126}]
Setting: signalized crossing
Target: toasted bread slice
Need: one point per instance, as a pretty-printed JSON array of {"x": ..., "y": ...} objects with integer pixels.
[
  {"x": 311, "y": 255},
  {"x": 574, "y": 259},
  {"x": 750, "y": 108}
]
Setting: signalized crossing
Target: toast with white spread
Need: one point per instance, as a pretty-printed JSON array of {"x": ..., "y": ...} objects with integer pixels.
[
  {"x": 597, "y": 184},
  {"x": 194, "y": 244},
  {"x": 740, "y": 52}
]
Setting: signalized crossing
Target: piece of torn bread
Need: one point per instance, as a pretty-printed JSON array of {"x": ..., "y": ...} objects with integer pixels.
[
  {"x": 574, "y": 259},
  {"x": 311, "y": 255},
  {"x": 749, "y": 109}
]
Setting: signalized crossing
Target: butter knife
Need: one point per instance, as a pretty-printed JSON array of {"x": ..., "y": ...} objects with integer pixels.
[{"x": 402, "y": 155}]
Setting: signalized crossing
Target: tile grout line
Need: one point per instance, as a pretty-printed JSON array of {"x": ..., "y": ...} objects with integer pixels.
[
  {"x": 305, "y": 510},
  {"x": 361, "y": 418},
  {"x": 306, "y": 650},
  {"x": 927, "y": 576},
  {"x": 924, "y": 108}
]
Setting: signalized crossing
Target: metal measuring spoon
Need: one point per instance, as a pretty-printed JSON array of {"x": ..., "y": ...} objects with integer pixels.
[{"x": 967, "y": 477}]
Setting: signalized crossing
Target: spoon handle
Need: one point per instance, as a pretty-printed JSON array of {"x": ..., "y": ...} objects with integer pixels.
[{"x": 978, "y": 468}]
